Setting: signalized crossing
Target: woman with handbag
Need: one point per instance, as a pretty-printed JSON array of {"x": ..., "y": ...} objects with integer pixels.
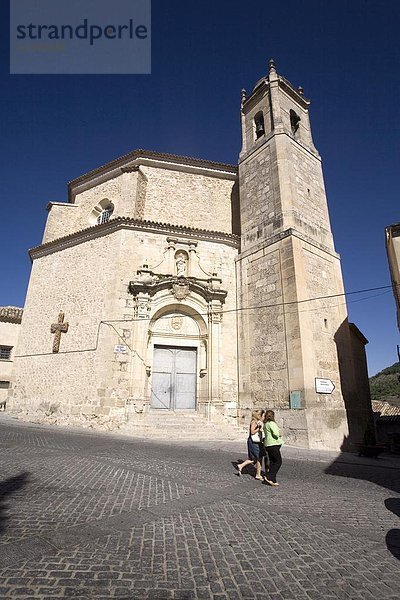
[
  {"x": 272, "y": 442},
  {"x": 255, "y": 446}
]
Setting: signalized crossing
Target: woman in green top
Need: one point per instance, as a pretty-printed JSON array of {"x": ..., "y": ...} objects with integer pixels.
[{"x": 272, "y": 442}]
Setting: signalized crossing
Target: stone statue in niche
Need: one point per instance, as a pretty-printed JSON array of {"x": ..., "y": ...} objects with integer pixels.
[{"x": 181, "y": 264}]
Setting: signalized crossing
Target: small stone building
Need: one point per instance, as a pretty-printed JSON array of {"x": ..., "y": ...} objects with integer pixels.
[
  {"x": 387, "y": 423},
  {"x": 169, "y": 283},
  {"x": 10, "y": 322}
]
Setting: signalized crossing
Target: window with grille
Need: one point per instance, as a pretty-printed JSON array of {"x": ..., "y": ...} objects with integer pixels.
[
  {"x": 4, "y": 385},
  {"x": 104, "y": 216},
  {"x": 5, "y": 352}
]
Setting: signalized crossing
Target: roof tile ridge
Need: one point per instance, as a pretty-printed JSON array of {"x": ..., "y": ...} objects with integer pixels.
[
  {"x": 133, "y": 154},
  {"x": 155, "y": 224}
]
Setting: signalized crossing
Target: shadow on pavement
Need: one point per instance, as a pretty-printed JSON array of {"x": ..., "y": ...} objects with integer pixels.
[
  {"x": 7, "y": 488},
  {"x": 378, "y": 474},
  {"x": 393, "y": 536},
  {"x": 373, "y": 470}
]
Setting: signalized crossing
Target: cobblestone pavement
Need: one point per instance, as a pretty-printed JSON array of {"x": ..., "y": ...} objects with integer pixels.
[{"x": 96, "y": 516}]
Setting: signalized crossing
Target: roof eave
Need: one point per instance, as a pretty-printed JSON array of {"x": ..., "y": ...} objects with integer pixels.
[{"x": 151, "y": 155}]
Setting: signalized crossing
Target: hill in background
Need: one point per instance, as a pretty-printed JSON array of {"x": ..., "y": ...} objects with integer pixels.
[{"x": 385, "y": 385}]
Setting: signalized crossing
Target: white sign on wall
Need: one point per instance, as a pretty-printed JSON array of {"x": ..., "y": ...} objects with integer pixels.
[
  {"x": 324, "y": 386},
  {"x": 120, "y": 349}
]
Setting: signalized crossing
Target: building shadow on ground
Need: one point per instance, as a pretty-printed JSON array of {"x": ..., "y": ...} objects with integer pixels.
[
  {"x": 378, "y": 474},
  {"x": 393, "y": 536},
  {"x": 8, "y": 487}
]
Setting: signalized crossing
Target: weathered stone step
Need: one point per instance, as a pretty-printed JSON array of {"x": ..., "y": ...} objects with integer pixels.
[{"x": 188, "y": 426}]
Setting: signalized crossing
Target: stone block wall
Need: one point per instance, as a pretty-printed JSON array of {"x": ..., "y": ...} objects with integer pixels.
[
  {"x": 308, "y": 207},
  {"x": 64, "y": 219},
  {"x": 89, "y": 282},
  {"x": 261, "y": 210},
  {"x": 303, "y": 133},
  {"x": 288, "y": 339},
  {"x": 189, "y": 199},
  {"x": 78, "y": 281},
  {"x": 152, "y": 193},
  {"x": 263, "y": 368},
  {"x": 281, "y": 187}
]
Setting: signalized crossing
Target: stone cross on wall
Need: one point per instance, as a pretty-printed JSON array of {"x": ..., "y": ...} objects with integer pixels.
[{"x": 58, "y": 329}]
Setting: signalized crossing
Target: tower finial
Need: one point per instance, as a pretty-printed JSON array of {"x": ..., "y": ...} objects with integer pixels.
[
  {"x": 243, "y": 96},
  {"x": 271, "y": 66},
  {"x": 300, "y": 90}
]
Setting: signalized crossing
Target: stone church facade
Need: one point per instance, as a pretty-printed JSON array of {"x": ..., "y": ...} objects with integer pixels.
[{"x": 168, "y": 283}]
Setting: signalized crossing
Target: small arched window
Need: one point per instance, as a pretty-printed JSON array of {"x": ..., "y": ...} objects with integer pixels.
[
  {"x": 102, "y": 212},
  {"x": 105, "y": 215},
  {"x": 259, "y": 126}
]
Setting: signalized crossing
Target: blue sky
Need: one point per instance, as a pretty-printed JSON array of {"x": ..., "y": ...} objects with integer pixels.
[{"x": 346, "y": 56}]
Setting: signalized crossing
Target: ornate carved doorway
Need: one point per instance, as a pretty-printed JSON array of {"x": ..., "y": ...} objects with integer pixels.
[{"x": 174, "y": 378}]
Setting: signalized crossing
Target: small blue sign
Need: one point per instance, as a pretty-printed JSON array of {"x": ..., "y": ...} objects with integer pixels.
[{"x": 295, "y": 399}]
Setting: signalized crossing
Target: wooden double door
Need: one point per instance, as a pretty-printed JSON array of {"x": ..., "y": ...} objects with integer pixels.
[{"x": 174, "y": 378}]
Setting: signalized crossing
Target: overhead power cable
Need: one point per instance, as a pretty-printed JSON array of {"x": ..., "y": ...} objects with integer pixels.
[
  {"x": 232, "y": 310},
  {"x": 274, "y": 305}
]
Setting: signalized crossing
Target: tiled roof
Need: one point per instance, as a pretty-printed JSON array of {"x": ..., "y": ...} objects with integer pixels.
[
  {"x": 385, "y": 409},
  {"x": 117, "y": 222},
  {"x": 140, "y": 153},
  {"x": 11, "y": 314}
]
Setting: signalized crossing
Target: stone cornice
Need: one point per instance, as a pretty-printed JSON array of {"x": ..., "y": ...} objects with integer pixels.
[
  {"x": 51, "y": 204},
  {"x": 258, "y": 146},
  {"x": 291, "y": 91},
  {"x": 393, "y": 230},
  {"x": 158, "y": 283},
  {"x": 282, "y": 235},
  {"x": 113, "y": 168},
  {"x": 136, "y": 224},
  {"x": 262, "y": 87},
  {"x": 134, "y": 169},
  {"x": 11, "y": 314}
]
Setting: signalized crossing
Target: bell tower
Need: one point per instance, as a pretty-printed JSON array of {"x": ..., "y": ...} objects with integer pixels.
[
  {"x": 290, "y": 322},
  {"x": 276, "y": 135}
]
